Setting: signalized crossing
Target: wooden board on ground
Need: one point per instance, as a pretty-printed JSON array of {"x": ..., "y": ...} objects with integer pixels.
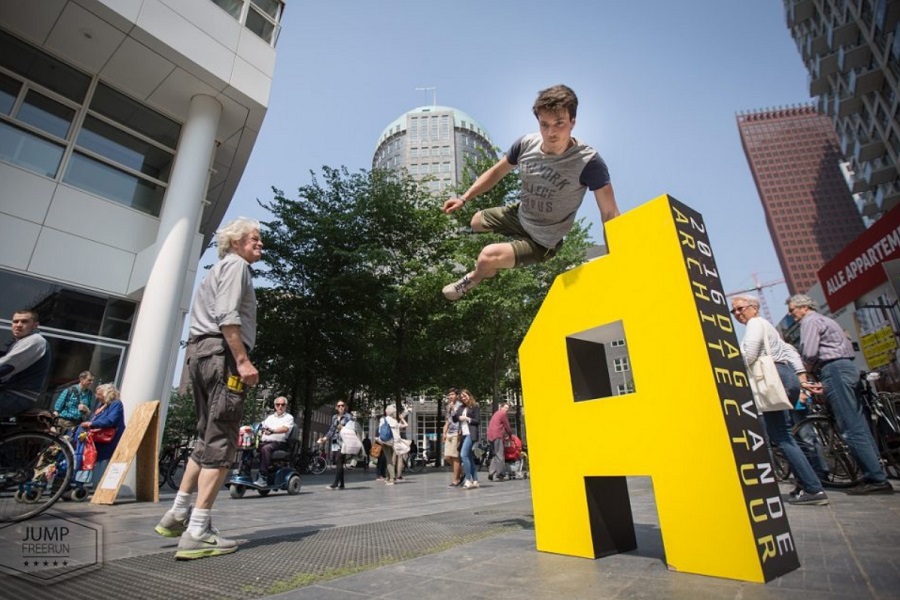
[{"x": 141, "y": 441}]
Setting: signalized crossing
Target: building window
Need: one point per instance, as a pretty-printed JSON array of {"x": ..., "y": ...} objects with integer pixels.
[
  {"x": 620, "y": 364},
  {"x": 617, "y": 343},
  {"x": 39, "y": 98},
  {"x": 262, "y": 17},
  {"x": 626, "y": 388},
  {"x": 124, "y": 152}
]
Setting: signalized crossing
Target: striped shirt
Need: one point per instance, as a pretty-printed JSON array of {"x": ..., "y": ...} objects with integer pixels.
[{"x": 822, "y": 339}]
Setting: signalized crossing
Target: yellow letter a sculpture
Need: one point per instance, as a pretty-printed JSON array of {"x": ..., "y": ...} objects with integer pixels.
[{"x": 691, "y": 423}]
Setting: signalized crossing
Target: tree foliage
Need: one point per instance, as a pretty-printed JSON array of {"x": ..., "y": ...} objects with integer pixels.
[{"x": 352, "y": 305}]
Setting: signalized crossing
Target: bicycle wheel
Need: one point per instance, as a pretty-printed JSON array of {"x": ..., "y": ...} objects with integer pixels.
[
  {"x": 781, "y": 464},
  {"x": 843, "y": 471},
  {"x": 165, "y": 463},
  {"x": 35, "y": 471},
  {"x": 887, "y": 435},
  {"x": 317, "y": 465},
  {"x": 416, "y": 464},
  {"x": 176, "y": 472}
]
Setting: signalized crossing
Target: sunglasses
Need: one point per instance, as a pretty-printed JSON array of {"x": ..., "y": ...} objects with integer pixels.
[{"x": 280, "y": 404}]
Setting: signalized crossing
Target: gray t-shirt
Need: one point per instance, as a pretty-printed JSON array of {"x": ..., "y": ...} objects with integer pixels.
[
  {"x": 226, "y": 297},
  {"x": 453, "y": 427},
  {"x": 553, "y": 186}
]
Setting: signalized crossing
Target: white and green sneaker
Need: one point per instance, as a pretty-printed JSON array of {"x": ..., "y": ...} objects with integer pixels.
[
  {"x": 173, "y": 524},
  {"x": 209, "y": 543}
]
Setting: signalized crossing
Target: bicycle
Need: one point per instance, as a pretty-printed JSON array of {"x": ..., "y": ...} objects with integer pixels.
[
  {"x": 818, "y": 433},
  {"x": 35, "y": 466},
  {"x": 177, "y": 466},
  {"x": 415, "y": 463},
  {"x": 315, "y": 462},
  {"x": 883, "y": 422}
]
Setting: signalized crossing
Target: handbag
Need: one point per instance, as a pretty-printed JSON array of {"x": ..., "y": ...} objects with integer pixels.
[
  {"x": 768, "y": 391},
  {"x": 375, "y": 450},
  {"x": 103, "y": 435},
  {"x": 350, "y": 443}
]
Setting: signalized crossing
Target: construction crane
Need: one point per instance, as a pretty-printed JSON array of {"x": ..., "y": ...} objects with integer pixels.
[{"x": 758, "y": 288}]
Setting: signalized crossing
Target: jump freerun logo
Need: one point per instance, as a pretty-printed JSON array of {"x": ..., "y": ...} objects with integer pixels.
[{"x": 50, "y": 548}]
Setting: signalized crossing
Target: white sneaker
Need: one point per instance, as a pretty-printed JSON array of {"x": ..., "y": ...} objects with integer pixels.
[
  {"x": 209, "y": 543},
  {"x": 468, "y": 484},
  {"x": 456, "y": 290}
]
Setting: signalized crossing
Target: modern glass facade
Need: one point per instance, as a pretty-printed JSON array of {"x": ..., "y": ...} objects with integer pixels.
[
  {"x": 60, "y": 123},
  {"x": 86, "y": 331}
]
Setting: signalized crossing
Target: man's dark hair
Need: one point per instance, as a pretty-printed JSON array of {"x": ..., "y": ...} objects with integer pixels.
[
  {"x": 453, "y": 390},
  {"x": 28, "y": 311},
  {"x": 556, "y": 99}
]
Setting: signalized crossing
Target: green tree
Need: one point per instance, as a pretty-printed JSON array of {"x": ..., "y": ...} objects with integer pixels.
[{"x": 350, "y": 265}]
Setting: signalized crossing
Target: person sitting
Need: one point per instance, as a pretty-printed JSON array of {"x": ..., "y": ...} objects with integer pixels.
[
  {"x": 274, "y": 437},
  {"x": 108, "y": 414},
  {"x": 25, "y": 367}
]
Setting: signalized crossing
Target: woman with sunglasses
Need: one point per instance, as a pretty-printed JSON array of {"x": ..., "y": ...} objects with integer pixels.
[
  {"x": 758, "y": 335},
  {"x": 338, "y": 422}
]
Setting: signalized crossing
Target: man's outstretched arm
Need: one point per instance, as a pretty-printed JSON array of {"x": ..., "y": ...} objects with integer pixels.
[
  {"x": 484, "y": 183},
  {"x": 606, "y": 202}
]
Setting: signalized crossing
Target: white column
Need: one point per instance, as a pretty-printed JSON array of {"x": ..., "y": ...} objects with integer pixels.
[{"x": 155, "y": 334}]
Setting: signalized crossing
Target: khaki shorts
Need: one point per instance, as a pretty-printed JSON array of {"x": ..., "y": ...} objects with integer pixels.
[
  {"x": 505, "y": 221},
  {"x": 451, "y": 446},
  {"x": 219, "y": 410}
]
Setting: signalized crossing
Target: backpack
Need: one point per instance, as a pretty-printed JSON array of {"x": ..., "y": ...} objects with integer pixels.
[{"x": 384, "y": 431}]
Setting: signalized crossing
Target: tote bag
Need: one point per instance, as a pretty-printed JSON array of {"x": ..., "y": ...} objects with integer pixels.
[
  {"x": 768, "y": 391},
  {"x": 350, "y": 443}
]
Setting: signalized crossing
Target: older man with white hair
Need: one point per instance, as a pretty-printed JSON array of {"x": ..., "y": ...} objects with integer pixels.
[
  {"x": 222, "y": 334},
  {"x": 827, "y": 352}
]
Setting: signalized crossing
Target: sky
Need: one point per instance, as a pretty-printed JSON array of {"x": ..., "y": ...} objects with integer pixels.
[{"x": 660, "y": 84}]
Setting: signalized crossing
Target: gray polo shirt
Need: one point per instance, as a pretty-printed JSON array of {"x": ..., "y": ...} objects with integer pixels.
[{"x": 226, "y": 297}]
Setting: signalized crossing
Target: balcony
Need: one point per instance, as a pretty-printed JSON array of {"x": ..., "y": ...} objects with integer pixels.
[
  {"x": 887, "y": 15},
  {"x": 865, "y": 150},
  {"x": 887, "y": 197},
  {"x": 824, "y": 66},
  {"x": 800, "y": 11},
  {"x": 879, "y": 172},
  {"x": 862, "y": 81},
  {"x": 842, "y": 35},
  {"x": 868, "y": 207},
  {"x": 853, "y": 57},
  {"x": 823, "y": 105},
  {"x": 848, "y": 105},
  {"x": 816, "y": 44}
]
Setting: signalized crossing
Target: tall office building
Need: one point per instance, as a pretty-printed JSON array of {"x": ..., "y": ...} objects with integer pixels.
[
  {"x": 795, "y": 160},
  {"x": 852, "y": 51},
  {"x": 431, "y": 141},
  {"x": 125, "y": 127}
]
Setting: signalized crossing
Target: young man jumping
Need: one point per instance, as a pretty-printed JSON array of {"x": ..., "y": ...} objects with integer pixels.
[{"x": 555, "y": 170}]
